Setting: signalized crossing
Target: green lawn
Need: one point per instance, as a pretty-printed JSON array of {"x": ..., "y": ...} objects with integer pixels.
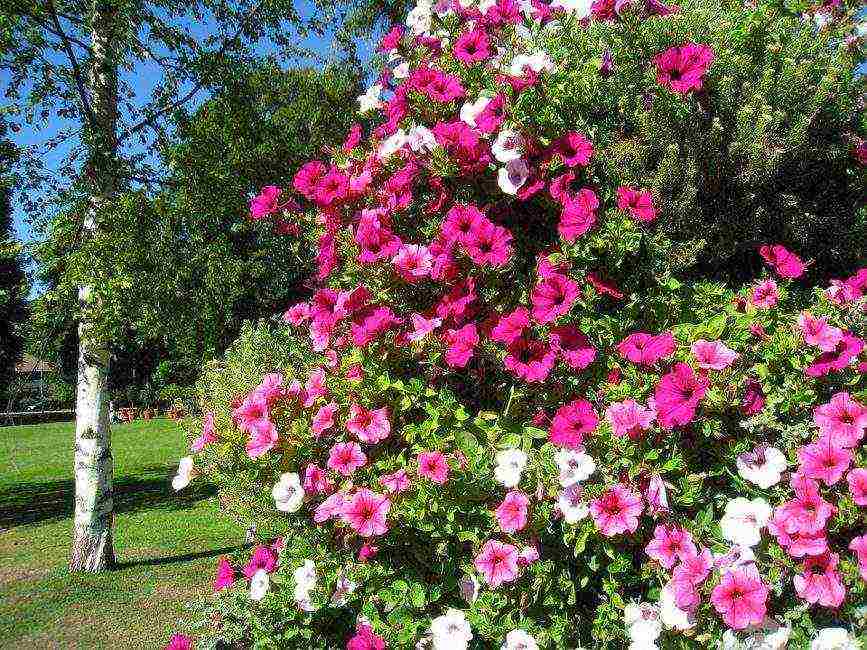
[{"x": 166, "y": 543}]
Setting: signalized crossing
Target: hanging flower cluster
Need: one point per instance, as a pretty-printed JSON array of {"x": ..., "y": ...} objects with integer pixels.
[{"x": 492, "y": 425}]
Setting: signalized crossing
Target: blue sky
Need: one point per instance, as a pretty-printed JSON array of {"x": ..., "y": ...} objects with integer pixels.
[{"x": 142, "y": 79}]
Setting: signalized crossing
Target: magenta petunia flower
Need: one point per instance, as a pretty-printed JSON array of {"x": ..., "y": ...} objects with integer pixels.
[
  {"x": 512, "y": 512},
  {"x": 433, "y": 465},
  {"x": 670, "y": 543},
  {"x": 571, "y": 423},
  {"x": 683, "y": 69},
  {"x": 510, "y": 327},
  {"x": 225, "y": 575},
  {"x": 461, "y": 343},
  {"x": 807, "y": 513},
  {"x": 530, "y": 359},
  {"x": 637, "y": 203},
  {"x": 413, "y": 262},
  {"x": 263, "y": 558},
  {"x": 316, "y": 481},
  {"x": 472, "y": 47},
  {"x": 365, "y": 511},
  {"x": 267, "y": 202},
  {"x": 365, "y": 639},
  {"x": 844, "y": 354},
  {"x": 574, "y": 148},
  {"x": 857, "y": 480},
  {"x": 573, "y": 346},
  {"x": 324, "y": 419},
  {"x": 783, "y": 261},
  {"x": 677, "y": 395},
  {"x": 646, "y": 349},
  {"x": 817, "y": 332},
  {"x": 497, "y": 562},
  {"x": 578, "y": 215},
  {"x": 488, "y": 244},
  {"x": 553, "y": 297},
  {"x": 179, "y": 641},
  {"x": 616, "y": 511},
  {"x": 741, "y": 599},
  {"x": 824, "y": 461}
]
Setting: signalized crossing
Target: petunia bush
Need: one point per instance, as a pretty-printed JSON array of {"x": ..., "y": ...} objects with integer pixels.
[{"x": 583, "y": 362}]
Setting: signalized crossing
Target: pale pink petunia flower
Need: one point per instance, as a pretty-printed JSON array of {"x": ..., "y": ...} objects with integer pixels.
[
  {"x": 512, "y": 512},
  {"x": 497, "y": 562},
  {"x": 365, "y": 511},
  {"x": 324, "y": 419},
  {"x": 209, "y": 434},
  {"x": 616, "y": 511},
  {"x": 820, "y": 582},
  {"x": 629, "y": 418},
  {"x": 670, "y": 543},
  {"x": 396, "y": 482},
  {"x": 422, "y": 326},
  {"x": 843, "y": 420},
  {"x": 741, "y": 599},
  {"x": 713, "y": 355}
]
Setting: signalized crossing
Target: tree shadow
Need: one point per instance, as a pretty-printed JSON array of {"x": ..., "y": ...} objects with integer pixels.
[
  {"x": 175, "y": 559},
  {"x": 32, "y": 502}
]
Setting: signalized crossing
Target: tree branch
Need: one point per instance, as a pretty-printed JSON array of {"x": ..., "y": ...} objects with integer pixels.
[
  {"x": 73, "y": 61},
  {"x": 151, "y": 119}
]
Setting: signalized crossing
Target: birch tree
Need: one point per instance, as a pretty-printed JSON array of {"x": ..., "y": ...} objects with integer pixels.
[{"x": 102, "y": 78}]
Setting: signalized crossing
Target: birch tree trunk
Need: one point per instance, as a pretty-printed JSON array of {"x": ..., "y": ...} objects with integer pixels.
[{"x": 92, "y": 548}]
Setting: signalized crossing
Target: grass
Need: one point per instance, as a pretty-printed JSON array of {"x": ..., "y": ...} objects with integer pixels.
[{"x": 166, "y": 543}]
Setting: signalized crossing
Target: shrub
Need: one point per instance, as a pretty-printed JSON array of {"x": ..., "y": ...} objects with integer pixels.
[{"x": 563, "y": 381}]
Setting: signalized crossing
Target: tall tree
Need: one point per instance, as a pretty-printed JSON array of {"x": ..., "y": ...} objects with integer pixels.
[
  {"x": 89, "y": 63},
  {"x": 13, "y": 282}
]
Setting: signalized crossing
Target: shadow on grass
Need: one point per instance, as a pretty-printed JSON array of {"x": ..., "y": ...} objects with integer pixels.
[
  {"x": 28, "y": 503},
  {"x": 175, "y": 559}
]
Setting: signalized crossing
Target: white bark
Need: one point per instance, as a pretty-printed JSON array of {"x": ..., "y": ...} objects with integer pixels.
[{"x": 92, "y": 548}]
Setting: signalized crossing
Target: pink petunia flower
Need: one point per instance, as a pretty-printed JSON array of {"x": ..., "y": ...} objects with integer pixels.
[
  {"x": 616, "y": 511},
  {"x": 179, "y": 641},
  {"x": 819, "y": 582},
  {"x": 857, "y": 480},
  {"x": 646, "y": 349},
  {"x": 677, "y": 395},
  {"x": 807, "y": 513},
  {"x": 324, "y": 419},
  {"x": 433, "y": 465},
  {"x": 396, "y": 482},
  {"x": 844, "y": 354},
  {"x": 670, "y": 543},
  {"x": 413, "y": 262},
  {"x": 637, "y": 203},
  {"x": 629, "y": 418},
  {"x": 713, "y": 355},
  {"x": 694, "y": 567},
  {"x": 571, "y": 423},
  {"x": 316, "y": 481},
  {"x": 346, "y": 457},
  {"x": 263, "y": 557},
  {"x": 209, "y": 434},
  {"x": 330, "y": 508},
  {"x": 574, "y": 148},
  {"x": 512, "y": 512},
  {"x": 365, "y": 511},
  {"x": 859, "y": 546},
  {"x": 422, "y": 326},
  {"x": 370, "y": 426},
  {"x": 265, "y": 203},
  {"x": 765, "y": 295},
  {"x": 553, "y": 297},
  {"x": 741, "y": 599},
  {"x": 817, "y": 332},
  {"x": 824, "y": 461},
  {"x": 843, "y": 420},
  {"x": 497, "y": 562},
  {"x": 488, "y": 244},
  {"x": 682, "y": 69},
  {"x": 578, "y": 215}
]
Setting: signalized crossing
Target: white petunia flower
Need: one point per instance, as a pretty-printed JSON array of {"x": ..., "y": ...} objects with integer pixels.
[
  {"x": 305, "y": 575},
  {"x": 670, "y": 614},
  {"x": 743, "y": 521},
  {"x": 185, "y": 474},
  {"x": 343, "y": 589},
  {"x": 575, "y": 466},
  {"x": 288, "y": 493},
  {"x": 572, "y": 505},
  {"x": 451, "y": 631},
  {"x": 401, "y": 71},
  {"x": 421, "y": 139},
  {"x": 834, "y": 638},
  {"x": 581, "y": 8},
  {"x": 392, "y": 144},
  {"x": 419, "y": 19},
  {"x": 259, "y": 585},
  {"x": 510, "y": 466},
  {"x": 519, "y": 640},
  {"x": 643, "y": 624},
  {"x": 471, "y": 110},
  {"x": 508, "y": 146},
  {"x": 763, "y": 466},
  {"x": 370, "y": 100},
  {"x": 513, "y": 176},
  {"x": 770, "y": 635}
]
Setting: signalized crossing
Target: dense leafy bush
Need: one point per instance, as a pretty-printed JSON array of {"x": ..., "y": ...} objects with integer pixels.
[{"x": 525, "y": 406}]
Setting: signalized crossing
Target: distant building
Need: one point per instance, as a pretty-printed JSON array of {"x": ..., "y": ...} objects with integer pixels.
[{"x": 32, "y": 374}]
